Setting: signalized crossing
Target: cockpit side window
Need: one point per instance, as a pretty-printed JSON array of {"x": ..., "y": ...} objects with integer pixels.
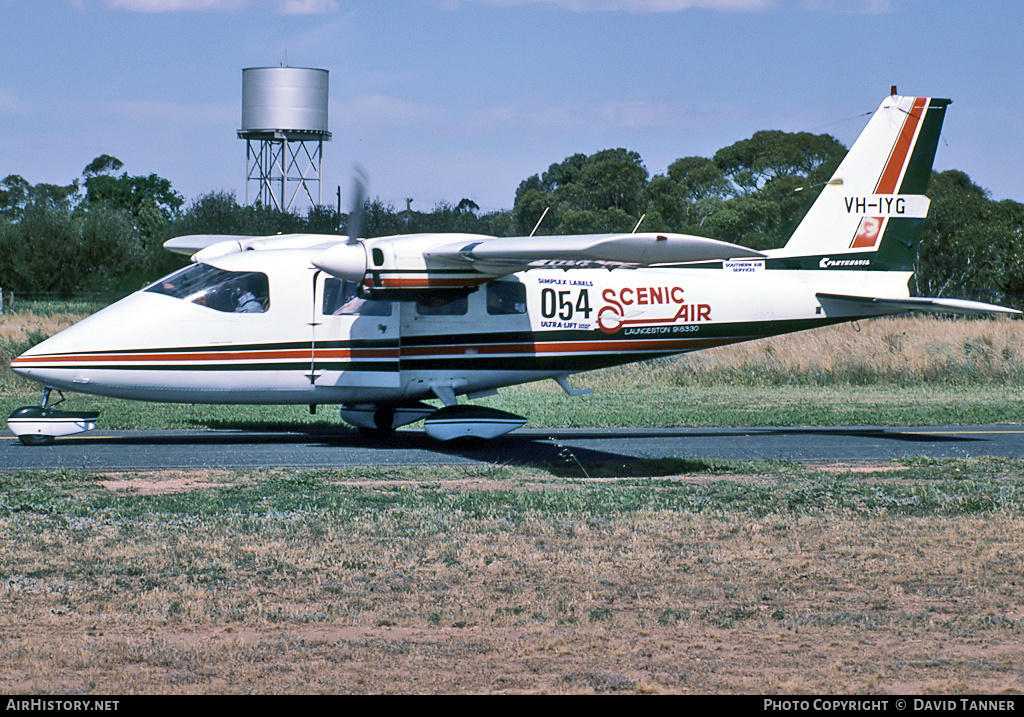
[
  {"x": 244, "y": 292},
  {"x": 442, "y": 305},
  {"x": 506, "y": 297},
  {"x": 341, "y": 299}
]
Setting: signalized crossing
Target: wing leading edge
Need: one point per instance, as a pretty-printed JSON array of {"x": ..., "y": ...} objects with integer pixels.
[
  {"x": 422, "y": 262},
  {"x": 495, "y": 255},
  {"x": 429, "y": 261}
]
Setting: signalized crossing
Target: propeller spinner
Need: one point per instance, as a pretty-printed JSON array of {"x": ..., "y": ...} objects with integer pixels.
[{"x": 348, "y": 261}]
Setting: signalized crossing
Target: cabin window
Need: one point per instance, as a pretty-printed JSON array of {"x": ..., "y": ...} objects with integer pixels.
[
  {"x": 341, "y": 299},
  {"x": 506, "y": 297},
  {"x": 243, "y": 292},
  {"x": 442, "y": 306}
]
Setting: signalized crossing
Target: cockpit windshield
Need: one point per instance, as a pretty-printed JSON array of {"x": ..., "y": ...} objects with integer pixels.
[{"x": 244, "y": 292}]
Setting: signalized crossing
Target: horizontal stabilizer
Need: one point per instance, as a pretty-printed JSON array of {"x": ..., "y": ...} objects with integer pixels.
[
  {"x": 505, "y": 255},
  {"x": 921, "y": 303}
]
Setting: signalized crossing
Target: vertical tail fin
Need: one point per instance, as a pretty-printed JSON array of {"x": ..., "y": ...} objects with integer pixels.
[{"x": 871, "y": 213}]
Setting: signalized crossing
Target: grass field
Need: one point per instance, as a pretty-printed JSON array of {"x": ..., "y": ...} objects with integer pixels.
[
  {"x": 716, "y": 577},
  {"x": 726, "y": 578}
]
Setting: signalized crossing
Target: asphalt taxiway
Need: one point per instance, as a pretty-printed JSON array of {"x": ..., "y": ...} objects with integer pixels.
[{"x": 306, "y": 448}]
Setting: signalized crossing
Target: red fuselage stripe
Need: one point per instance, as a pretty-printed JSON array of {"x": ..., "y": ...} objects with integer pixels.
[
  {"x": 205, "y": 356},
  {"x": 460, "y": 350}
]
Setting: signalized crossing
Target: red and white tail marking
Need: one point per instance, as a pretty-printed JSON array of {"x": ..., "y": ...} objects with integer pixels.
[
  {"x": 871, "y": 229},
  {"x": 854, "y": 209}
]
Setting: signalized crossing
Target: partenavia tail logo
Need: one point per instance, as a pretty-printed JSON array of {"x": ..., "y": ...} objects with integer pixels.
[
  {"x": 827, "y": 263},
  {"x": 868, "y": 233}
]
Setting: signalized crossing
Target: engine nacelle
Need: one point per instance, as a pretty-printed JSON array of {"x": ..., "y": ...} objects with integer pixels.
[{"x": 402, "y": 266}]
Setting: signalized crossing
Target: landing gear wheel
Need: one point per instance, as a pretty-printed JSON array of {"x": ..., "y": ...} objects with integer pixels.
[
  {"x": 467, "y": 443},
  {"x": 383, "y": 422},
  {"x": 34, "y": 439}
]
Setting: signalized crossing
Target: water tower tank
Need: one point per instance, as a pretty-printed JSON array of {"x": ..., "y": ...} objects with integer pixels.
[
  {"x": 284, "y": 124},
  {"x": 284, "y": 98}
]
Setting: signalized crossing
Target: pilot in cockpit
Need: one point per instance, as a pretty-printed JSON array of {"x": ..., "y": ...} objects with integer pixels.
[{"x": 246, "y": 300}]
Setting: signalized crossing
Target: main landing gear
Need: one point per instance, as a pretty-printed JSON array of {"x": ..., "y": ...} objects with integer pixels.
[
  {"x": 443, "y": 424},
  {"x": 39, "y": 425}
]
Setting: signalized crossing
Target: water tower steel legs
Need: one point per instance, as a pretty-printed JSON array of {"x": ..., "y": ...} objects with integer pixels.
[{"x": 276, "y": 161}]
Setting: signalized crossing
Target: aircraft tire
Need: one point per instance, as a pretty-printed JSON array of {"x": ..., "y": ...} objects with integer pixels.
[
  {"x": 383, "y": 421},
  {"x": 35, "y": 439},
  {"x": 468, "y": 443},
  {"x": 376, "y": 432}
]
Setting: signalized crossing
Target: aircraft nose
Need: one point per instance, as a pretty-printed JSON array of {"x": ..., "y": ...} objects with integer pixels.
[
  {"x": 55, "y": 362},
  {"x": 69, "y": 360}
]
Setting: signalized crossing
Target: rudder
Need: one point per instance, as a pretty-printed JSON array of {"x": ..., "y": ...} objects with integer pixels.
[{"x": 871, "y": 214}]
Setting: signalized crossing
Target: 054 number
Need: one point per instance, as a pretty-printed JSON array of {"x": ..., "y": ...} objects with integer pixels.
[{"x": 561, "y": 303}]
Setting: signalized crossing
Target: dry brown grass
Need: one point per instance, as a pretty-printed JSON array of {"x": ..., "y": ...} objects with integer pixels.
[
  {"x": 902, "y": 346},
  {"x": 18, "y": 332},
  {"x": 891, "y": 350},
  {"x": 17, "y": 328},
  {"x": 406, "y": 600}
]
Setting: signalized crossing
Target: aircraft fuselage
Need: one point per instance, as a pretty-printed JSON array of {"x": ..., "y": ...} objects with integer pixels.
[{"x": 304, "y": 347}]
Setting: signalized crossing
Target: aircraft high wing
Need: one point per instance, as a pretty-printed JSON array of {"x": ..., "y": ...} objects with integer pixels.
[
  {"x": 382, "y": 326},
  {"x": 441, "y": 261},
  {"x": 407, "y": 263}
]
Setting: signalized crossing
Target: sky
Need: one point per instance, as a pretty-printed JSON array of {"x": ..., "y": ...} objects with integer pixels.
[{"x": 440, "y": 100}]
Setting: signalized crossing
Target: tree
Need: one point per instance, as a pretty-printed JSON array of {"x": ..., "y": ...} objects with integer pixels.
[
  {"x": 150, "y": 201},
  {"x": 530, "y": 205},
  {"x": 748, "y": 220},
  {"x": 322, "y": 219},
  {"x": 583, "y": 193},
  {"x": 134, "y": 194},
  {"x": 102, "y": 165},
  {"x": 467, "y": 206},
  {"x": 683, "y": 200},
  {"x": 16, "y": 195},
  {"x": 755, "y": 192},
  {"x": 769, "y": 154},
  {"x": 54, "y": 250},
  {"x": 699, "y": 178},
  {"x": 972, "y": 246},
  {"x": 613, "y": 179},
  {"x": 211, "y": 213}
]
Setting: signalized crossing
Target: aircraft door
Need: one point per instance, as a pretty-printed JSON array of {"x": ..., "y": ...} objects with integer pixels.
[{"x": 355, "y": 341}]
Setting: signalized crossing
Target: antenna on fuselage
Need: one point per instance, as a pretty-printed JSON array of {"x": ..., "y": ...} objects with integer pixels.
[{"x": 535, "y": 226}]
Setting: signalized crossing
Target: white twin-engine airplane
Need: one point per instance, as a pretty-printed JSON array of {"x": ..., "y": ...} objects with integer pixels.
[{"x": 381, "y": 325}]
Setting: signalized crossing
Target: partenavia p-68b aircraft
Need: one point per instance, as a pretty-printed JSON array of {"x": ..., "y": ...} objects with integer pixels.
[{"x": 382, "y": 325}]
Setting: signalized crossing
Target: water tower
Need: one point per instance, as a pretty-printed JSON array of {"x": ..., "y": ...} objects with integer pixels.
[{"x": 284, "y": 125}]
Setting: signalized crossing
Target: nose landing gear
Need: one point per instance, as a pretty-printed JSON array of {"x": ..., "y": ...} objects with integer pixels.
[{"x": 39, "y": 425}]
